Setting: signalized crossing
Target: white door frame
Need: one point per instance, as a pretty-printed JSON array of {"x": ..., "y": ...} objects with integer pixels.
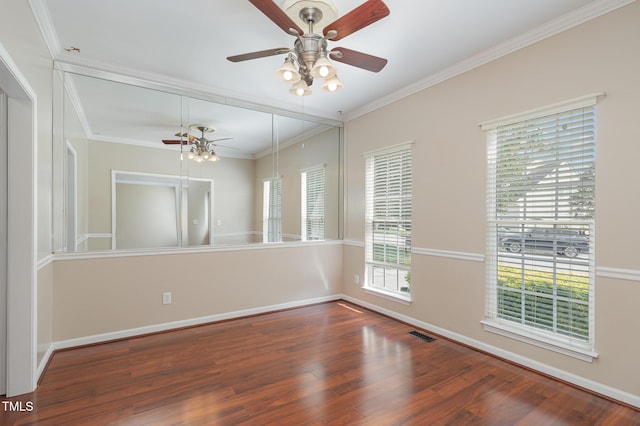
[
  {"x": 3, "y": 243},
  {"x": 22, "y": 228}
]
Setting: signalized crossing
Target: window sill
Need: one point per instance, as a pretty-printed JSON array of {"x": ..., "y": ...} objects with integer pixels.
[
  {"x": 514, "y": 332},
  {"x": 405, "y": 299}
]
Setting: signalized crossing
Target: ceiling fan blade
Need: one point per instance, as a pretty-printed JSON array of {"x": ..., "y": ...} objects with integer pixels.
[
  {"x": 256, "y": 55},
  {"x": 174, "y": 142},
  {"x": 222, "y": 146},
  {"x": 225, "y": 146},
  {"x": 277, "y": 15},
  {"x": 366, "y": 14},
  {"x": 359, "y": 59},
  {"x": 185, "y": 135}
]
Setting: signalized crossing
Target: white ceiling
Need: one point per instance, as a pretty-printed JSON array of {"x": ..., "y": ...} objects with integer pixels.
[{"x": 184, "y": 44}]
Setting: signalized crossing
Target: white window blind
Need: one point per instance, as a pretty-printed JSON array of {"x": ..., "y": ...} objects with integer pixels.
[
  {"x": 272, "y": 210},
  {"x": 541, "y": 204},
  {"x": 312, "y": 203},
  {"x": 388, "y": 219}
]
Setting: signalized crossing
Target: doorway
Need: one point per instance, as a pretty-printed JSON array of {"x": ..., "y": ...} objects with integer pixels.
[
  {"x": 18, "y": 202},
  {"x": 158, "y": 211}
]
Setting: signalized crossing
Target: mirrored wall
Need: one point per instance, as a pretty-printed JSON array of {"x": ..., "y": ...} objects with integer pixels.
[{"x": 133, "y": 167}]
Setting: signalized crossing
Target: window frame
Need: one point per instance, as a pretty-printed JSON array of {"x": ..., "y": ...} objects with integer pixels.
[
  {"x": 272, "y": 210},
  {"x": 308, "y": 231},
  {"x": 579, "y": 348},
  {"x": 401, "y": 270}
]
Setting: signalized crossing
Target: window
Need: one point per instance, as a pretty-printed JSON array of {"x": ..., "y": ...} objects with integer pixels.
[
  {"x": 541, "y": 204},
  {"x": 388, "y": 221},
  {"x": 272, "y": 210},
  {"x": 312, "y": 203}
]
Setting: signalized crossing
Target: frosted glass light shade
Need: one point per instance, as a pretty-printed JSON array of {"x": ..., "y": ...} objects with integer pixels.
[
  {"x": 300, "y": 89},
  {"x": 287, "y": 72},
  {"x": 332, "y": 84},
  {"x": 323, "y": 68}
]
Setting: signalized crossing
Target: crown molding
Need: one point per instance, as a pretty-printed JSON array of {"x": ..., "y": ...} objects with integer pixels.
[
  {"x": 290, "y": 142},
  {"x": 43, "y": 19},
  {"x": 154, "y": 145},
  {"x": 69, "y": 63},
  {"x": 551, "y": 28},
  {"x": 74, "y": 98}
]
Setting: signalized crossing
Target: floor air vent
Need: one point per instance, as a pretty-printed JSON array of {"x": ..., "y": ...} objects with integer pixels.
[{"x": 422, "y": 336}]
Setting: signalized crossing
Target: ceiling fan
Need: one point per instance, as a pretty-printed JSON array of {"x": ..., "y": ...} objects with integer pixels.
[
  {"x": 310, "y": 56},
  {"x": 201, "y": 148}
]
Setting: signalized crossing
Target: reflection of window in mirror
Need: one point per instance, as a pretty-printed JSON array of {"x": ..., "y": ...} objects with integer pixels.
[
  {"x": 71, "y": 191},
  {"x": 272, "y": 210},
  {"x": 312, "y": 195}
]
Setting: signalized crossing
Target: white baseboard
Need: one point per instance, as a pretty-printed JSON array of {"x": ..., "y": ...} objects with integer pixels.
[
  {"x": 608, "y": 391},
  {"x": 44, "y": 361},
  {"x": 123, "y": 334}
]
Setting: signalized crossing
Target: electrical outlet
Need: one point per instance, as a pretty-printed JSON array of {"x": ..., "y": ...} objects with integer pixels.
[
  {"x": 356, "y": 279},
  {"x": 166, "y": 298}
]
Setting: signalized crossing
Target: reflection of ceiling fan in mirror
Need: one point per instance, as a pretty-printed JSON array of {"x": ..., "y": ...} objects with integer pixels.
[
  {"x": 201, "y": 148},
  {"x": 310, "y": 56}
]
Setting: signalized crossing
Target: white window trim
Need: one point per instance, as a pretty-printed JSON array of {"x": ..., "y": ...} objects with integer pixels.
[
  {"x": 404, "y": 298},
  {"x": 539, "y": 338},
  {"x": 387, "y": 149},
  {"x": 580, "y": 102}
]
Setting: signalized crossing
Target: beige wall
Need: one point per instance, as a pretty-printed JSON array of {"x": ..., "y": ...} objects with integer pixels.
[
  {"x": 111, "y": 294},
  {"x": 450, "y": 183}
]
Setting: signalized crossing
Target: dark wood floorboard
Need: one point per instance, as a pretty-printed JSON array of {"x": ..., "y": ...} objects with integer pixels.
[{"x": 331, "y": 363}]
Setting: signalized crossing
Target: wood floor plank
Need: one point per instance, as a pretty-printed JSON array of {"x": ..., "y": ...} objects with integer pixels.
[{"x": 332, "y": 363}]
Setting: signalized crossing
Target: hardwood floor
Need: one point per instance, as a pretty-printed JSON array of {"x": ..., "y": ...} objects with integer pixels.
[{"x": 332, "y": 363}]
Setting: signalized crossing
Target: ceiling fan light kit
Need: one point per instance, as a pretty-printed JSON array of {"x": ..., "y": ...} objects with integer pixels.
[
  {"x": 201, "y": 149},
  {"x": 310, "y": 57},
  {"x": 323, "y": 67},
  {"x": 200, "y": 155},
  {"x": 288, "y": 72}
]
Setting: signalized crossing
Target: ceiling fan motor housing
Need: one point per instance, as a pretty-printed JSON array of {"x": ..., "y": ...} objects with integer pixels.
[
  {"x": 309, "y": 45},
  {"x": 308, "y": 49}
]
